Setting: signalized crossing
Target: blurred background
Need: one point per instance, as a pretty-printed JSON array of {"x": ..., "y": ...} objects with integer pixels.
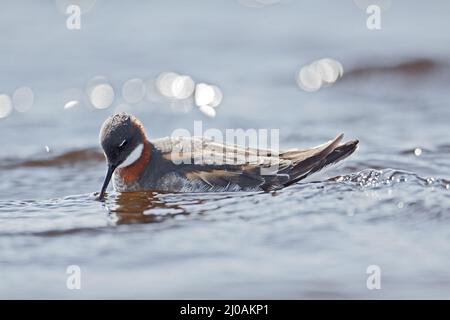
[{"x": 389, "y": 206}]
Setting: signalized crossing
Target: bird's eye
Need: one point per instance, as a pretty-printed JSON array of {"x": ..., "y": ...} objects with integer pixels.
[{"x": 122, "y": 144}]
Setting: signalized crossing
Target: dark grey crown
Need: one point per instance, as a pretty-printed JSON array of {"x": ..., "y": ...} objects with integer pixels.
[{"x": 119, "y": 136}]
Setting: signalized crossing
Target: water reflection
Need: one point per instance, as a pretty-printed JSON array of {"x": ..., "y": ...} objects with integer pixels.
[
  {"x": 153, "y": 206},
  {"x": 143, "y": 207}
]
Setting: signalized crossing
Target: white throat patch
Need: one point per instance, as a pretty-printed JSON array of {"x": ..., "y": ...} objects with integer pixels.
[{"x": 133, "y": 156}]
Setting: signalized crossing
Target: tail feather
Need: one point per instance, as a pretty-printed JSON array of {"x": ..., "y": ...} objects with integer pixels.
[
  {"x": 341, "y": 152},
  {"x": 332, "y": 154}
]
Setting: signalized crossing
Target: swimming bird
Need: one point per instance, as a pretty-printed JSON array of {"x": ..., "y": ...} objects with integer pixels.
[{"x": 199, "y": 164}]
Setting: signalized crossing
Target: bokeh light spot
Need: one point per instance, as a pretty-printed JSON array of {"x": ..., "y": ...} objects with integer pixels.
[
  {"x": 328, "y": 69},
  {"x": 99, "y": 92},
  {"x": 164, "y": 83},
  {"x": 5, "y": 105},
  {"x": 318, "y": 73},
  {"x": 218, "y": 96},
  {"x": 204, "y": 94},
  {"x": 23, "y": 99},
  {"x": 182, "y": 87},
  {"x": 309, "y": 79},
  {"x": 102, "y": 96},
  {"x": 133, "y": 90},
  {"x": 208, "y": 111}
]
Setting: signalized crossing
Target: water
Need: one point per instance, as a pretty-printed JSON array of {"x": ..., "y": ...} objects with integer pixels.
[{"x": 384, "y": 206}]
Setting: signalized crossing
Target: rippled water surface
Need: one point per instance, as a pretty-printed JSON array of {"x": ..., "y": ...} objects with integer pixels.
[{"x": 387, "y": 205}]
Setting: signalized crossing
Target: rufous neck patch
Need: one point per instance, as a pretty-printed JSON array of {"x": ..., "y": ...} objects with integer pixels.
[{"x": 132, "y": 173}]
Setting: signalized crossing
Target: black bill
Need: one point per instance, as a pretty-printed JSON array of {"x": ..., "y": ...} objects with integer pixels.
[{"x": 109, "y": 174}]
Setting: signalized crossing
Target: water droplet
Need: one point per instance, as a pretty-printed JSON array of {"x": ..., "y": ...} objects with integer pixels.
[
  {"x": 72, "y": 98},
  {"x": 71, "y": 104},
  {"x": 417, "y": 151},
  {"x": 47, "y": 148}
]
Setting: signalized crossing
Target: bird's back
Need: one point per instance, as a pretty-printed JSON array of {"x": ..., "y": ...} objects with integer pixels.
[{"x": 197, "y": 164}]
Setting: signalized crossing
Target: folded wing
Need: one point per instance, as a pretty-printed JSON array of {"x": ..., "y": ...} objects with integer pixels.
[{"x": 219, "y": 166}]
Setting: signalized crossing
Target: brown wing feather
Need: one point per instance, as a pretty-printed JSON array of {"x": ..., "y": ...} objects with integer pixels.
[{"x": 245, "y": 172}]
